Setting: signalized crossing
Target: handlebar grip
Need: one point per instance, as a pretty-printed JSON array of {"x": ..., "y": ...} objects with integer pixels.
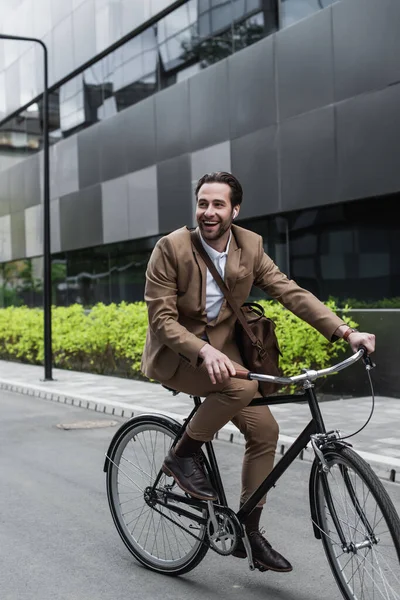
[
  {"x": 367, "y": 361},
  {"x": 242, "y": 374}
]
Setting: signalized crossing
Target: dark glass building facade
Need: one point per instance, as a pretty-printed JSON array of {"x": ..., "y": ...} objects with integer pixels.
[{"x": 298, "y": 98}]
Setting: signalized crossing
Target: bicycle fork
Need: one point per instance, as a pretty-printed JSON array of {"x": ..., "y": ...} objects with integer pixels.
[{"x": 319, "y": 443}]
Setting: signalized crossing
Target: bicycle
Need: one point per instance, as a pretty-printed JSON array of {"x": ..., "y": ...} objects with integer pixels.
[{"x": 170, "y": 532}]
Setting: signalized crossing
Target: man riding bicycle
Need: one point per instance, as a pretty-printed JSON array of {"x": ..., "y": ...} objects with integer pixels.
[{"x": 191, "y": 347}]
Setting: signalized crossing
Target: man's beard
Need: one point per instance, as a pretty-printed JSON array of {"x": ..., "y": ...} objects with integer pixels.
[{"x": 217, "y": 232}]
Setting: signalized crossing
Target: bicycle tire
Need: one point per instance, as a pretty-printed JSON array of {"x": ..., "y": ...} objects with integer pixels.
[
  {"x": 149, "y": 435},
  {"x": 371, "y": 562}
]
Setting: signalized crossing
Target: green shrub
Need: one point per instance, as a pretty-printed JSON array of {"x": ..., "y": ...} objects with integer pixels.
[
  {"x": 110, "y": 339},
  {"x": 301, "y": 345}
]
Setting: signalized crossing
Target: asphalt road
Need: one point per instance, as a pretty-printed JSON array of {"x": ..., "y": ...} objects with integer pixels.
[{"x": 58, "y": 541}]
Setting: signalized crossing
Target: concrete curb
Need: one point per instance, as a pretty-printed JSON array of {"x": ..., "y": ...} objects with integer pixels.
[{"x": 387, "y": 468}]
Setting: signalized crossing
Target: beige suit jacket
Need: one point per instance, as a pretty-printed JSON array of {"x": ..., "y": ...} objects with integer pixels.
[{"x": 175, "y": 294}]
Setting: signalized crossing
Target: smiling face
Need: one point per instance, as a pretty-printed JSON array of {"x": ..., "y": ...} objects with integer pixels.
[{"x": 214, "y": 214}]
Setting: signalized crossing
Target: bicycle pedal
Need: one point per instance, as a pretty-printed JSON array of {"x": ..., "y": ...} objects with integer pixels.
[{"x": 260, "y": 567}]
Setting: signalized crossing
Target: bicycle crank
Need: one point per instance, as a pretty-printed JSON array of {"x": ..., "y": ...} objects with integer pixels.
[{"x": 223, "y": 531}]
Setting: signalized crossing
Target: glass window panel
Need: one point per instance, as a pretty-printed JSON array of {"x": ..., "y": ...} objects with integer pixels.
[
  {"x": 149, "y": 61},
  {"x": 159, "y": 5},
  {"x": 204, "y": 25},
  {"x": 253, "y": 5},
  {"x": 133, "y": 70},
  {"x": 161, "y": 31},
  {"x": 215, "y": 3},
  {"x": 94, "y": 74},
  {"x": 221, "y": 17},
  {"x": 204, "y": 5},
  {"x": 102, "y": 31},
  {"x": 295, "y": 10},
  {"x": 2, "y": 95},
  {"x": 59, "y": 10},
  {"x": 108, "y": 108},
  {"x": 149, "y": 39},
  {"x": 176, "y": 21},
  {"x": 84, "y": 32},
  {"x": 304, "y": 267},
  {"x": 374, "y": 265},
  {"x": 239, "y": 9},
  {"x": 132, "y": 48},
  {"x": 42, "y": 18},
  {"x": 127, "y": 276},
  {"x": 63, "y": 53},
  {"x": 164, "y": 55},
  {"x": 193, "y": 13},
  {"x": 248, "y": 32}
]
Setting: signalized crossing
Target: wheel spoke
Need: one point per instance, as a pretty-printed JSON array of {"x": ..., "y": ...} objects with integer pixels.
[
  {"x": 368, "y": 568},
  {"x": 159, "y": 537}
]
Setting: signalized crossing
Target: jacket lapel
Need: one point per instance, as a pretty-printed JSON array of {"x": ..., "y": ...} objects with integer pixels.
[
  {"x": 232, "y": 263},
  {"x": 203, "y": 275},
  {"x": 231, "y": 273}
]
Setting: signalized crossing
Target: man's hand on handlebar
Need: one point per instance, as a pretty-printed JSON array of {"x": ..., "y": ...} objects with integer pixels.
[
  {"x": 220, "y": 368},
  {"x": 357, "y": 339}
]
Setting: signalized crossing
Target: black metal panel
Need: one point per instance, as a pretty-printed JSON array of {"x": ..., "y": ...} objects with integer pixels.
[
  {"x": 89, "y": 156},
  {"x": 31, "y": 172},
  {"x": 366, "y": 45},
  {"x": 18, "y": 235},
  {"x": 17, "y": 187},
  {"x": 304, "y": 55},
  {"x": 254, "y": 160},
  {"x": 308, "y": 164},
  {"x": 4, "y": 193},
  {"x": 369, "y": 144},
  {"x": 81, "y": 223},
  {"x": 209, "y": 106},
  {"x": 175, "y": 197},
  {"x": 385, "y": 324},
  {"x": 252, "y": 99},
  {"x": 140, "y": 135},
  {"x": 112, "y": 136},
  {"x": 172, "y": 121}
]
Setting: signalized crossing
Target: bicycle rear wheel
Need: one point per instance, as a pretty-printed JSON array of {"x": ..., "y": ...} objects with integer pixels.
[
  {"x": 157, "y": 537},
  {"x": 367, "y": 565}
]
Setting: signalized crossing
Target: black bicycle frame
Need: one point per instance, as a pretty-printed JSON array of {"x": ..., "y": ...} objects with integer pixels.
[{"x": 316, "y": 425}]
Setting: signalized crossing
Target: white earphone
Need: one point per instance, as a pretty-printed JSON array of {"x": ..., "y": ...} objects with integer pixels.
[{"x": 234, "y": 214}]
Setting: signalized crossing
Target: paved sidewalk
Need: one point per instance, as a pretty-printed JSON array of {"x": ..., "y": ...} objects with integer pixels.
[{"x": 379, "y": 443}]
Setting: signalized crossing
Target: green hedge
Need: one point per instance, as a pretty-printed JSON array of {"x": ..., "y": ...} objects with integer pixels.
[{"x": 110, "y": 339}]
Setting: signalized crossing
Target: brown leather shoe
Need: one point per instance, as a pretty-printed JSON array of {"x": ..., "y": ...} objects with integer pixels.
[
  {"x": 265, "y": 557},
  {"x": 189, "y": 475}
]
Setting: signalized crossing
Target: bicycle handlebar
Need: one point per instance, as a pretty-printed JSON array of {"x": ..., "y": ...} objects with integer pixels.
[{"x": 309, "y": 375}]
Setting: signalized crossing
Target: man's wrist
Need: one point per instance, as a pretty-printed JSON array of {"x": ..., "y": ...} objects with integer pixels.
[
  {"x": 348, "y": 333},
  {"x": 343, "y": 332},
  {"x": 203, "y": 349}
]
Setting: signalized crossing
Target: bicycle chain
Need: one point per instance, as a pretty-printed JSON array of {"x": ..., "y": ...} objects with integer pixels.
[{"x": 181, "y": 527}]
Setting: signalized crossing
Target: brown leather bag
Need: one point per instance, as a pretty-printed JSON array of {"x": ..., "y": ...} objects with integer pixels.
[{"x": 254, "y": 332}]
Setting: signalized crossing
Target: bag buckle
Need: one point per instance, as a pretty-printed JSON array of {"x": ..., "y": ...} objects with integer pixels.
[{"x": 261, "y": 350}]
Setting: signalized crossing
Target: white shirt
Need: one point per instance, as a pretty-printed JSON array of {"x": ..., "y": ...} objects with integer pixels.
[{"x": 214, "y": 295}]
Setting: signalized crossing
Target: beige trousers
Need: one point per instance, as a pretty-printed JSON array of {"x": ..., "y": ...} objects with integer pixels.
[{"x": 229, "y": 402}]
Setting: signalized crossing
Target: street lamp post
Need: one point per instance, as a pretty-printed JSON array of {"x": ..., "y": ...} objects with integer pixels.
[{"x": 46, "y": 210}]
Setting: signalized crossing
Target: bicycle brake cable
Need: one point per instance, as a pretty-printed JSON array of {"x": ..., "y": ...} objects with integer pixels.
[{"x": 368, "y": 366}]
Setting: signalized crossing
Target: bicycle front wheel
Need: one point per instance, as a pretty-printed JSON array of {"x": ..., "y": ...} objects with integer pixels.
[
  {"x": 359, "y": 526},
  {"x": 158, "y": 537}
]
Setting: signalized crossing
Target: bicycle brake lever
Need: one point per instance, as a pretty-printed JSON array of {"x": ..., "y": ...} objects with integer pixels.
[{"x": 367, "y": 361}]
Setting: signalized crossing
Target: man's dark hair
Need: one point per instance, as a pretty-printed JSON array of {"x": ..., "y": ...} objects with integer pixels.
[{"x": 223, "y": 177}]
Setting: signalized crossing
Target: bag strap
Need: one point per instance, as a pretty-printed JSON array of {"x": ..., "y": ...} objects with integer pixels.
[{"x": 220, "y": 282}]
